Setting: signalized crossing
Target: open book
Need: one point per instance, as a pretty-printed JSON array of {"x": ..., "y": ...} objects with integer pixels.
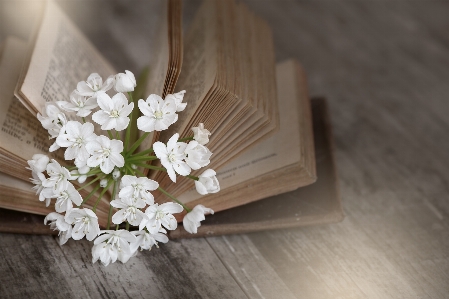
[{"x": 261, "y": 146}]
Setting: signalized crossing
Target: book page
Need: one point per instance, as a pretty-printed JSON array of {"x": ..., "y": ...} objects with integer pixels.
[
  {"x": 276, "y": 152},
  {"x": 61, "y": 57},
  {"x": 21, "y": 133}
]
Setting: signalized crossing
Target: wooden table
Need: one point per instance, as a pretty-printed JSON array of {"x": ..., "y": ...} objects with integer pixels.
[{"x": 384, "y": 67}]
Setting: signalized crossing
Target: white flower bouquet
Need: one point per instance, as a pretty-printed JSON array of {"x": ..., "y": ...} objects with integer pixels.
[{"x": 111, "y": 168}]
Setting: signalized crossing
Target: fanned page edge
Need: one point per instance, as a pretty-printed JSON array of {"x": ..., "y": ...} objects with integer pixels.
[{"x": 305, "y": 173}]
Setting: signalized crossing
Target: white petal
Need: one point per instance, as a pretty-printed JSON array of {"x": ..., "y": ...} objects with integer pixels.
[
  {"x": 117, "y": 159},
  {"x": 119, "y": 217},
  {"x": 171, "y": 207},
  {"x": 182, "y": 168},
  {"x": 104, "y": 101},
  {"x": 121, "y": 123},
  {"x": 100, "y": 117},
  {"x": 146, "y": 123},
  {"x": 160, "y": 150}
]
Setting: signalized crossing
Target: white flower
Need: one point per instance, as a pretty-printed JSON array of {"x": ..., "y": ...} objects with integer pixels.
[
  {"x": 114, "y": 112},
  {"x": 57, "y": 222},
  {"x": 38, "y": 163},
  {"x": 191, "y": 220},
  {"x": 75, "y": 138},
  {"x": 65, "y": 198},
  {"x": 64, "y": 236},
  {"x": 80, "y": 173},
  {"x": 178, "y": 97},
  {"x": 93, "y": 85},
  {"x": 106, "y": 153},
  {"x": 80, "y": 104},
  {"x": 129, "y": 210},
  {"x": 104, "y": 252},
  {"x": 146, "y": 240},
  {"x": 172, "y": 156},
  {"x": 197, "y": 155},
  {"x": 158, "y": 114},
  {"x": 86, "y": 223},
  {"x": 132, "y": 186},
  {"x": 37, "y": 179},
  {"x": 201, "y": 134},
  {"x": 207, "y": 182},
  {"x": 161, "y": 215},
  {"x": 125, "y": 82},
  {"x": 118, "y": 241},
  {"x": 53, "y": 120},
  {"x": 59, "y": 177},
  {"x": 47, "y": 194}
]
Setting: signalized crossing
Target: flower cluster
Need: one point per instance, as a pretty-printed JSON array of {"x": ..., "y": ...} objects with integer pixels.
[{"x": 108, "y": 164}]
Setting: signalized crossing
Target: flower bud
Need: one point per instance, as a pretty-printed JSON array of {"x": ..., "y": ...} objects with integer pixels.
[
  {"x": 178, "y": 97},
  {"x": 116, "y": 174},
  {"x": 38, "y": 163},
  {"x": 192, "y": 220},
  {"x": 207, "y": 182},
  {"x": 125, "y": 82},
  {"x": 80, "y": 173},
  {"x": 201, "y": 134},
  {"x": 103, "y": 183}
]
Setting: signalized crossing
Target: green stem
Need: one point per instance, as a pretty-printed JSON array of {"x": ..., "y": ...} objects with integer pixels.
[
  {"x": 84, "y": 120},
  {"x": 109, "y": 217},
  {"x": 101, "y": 194},
  {"x": 150, "y": 166},
  {"x": 174, "y": 199},
  {"x": 139, "y": 173},
  {"x": 128, "y": 168},
  {"x": 127, "y": 225},
  {"x": 117, "y": 135},
  {"x": 185, "y": 139},
  {"x": 92, "y": 172},
  {"x": 137, "y": 159},
  {"x": 90, "y": 183},
  {"x": 137, "y": 143},
  {"x": 110, "y": 134},
  {"x": 193, "y": 177},
  {"x": 145, "y": 152},
  {"x": 114, "y": 192},
  {"x": 90, "y": 195}
]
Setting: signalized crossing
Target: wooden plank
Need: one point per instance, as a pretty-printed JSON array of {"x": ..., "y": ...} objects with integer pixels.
[
  {"x": 248, "y": 267},
  {"x": 37, "y": 267}
]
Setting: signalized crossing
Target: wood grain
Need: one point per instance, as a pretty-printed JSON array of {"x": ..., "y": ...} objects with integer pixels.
[{"x": 384, "y": 66}]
